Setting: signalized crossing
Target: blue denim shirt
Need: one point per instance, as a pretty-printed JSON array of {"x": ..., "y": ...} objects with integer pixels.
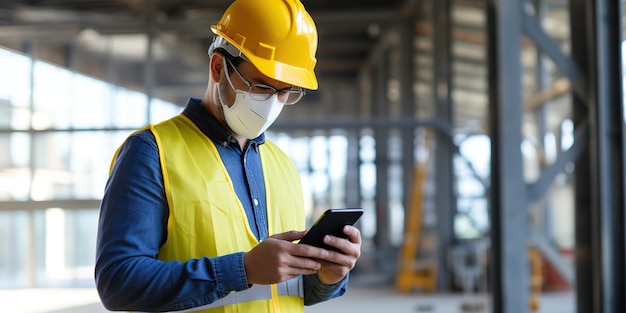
[{"x": 133, "y": 225}]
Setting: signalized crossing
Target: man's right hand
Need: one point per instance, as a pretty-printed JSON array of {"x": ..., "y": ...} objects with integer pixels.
[{"x": 277, "y": 259}]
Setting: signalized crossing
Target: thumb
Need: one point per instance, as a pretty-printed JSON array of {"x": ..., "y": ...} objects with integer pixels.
[{"x": 290, "y": 235}]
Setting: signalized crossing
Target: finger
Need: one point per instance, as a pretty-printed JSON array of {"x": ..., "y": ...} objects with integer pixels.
[
  {"x": 301, "y": 266},
  {"x": 304, "y": 263},
  {"x": 344, "y": 245},
  {"x": 290, "y": 235},
  {"x": 304, "y": 267},
  {"x": 354, "y": 234},
  {"x": 308, "y": 251},
  {"x": 302, "y": 271},
  {"x": 339, "y": 260}
]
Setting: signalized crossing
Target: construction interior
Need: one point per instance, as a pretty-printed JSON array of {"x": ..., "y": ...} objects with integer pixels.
[{"x": 484, "y": 139}]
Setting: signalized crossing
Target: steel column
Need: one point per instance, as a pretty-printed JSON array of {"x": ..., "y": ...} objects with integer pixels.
[
  {"x": 607, "y": 148},
  {"x": 444, "y": 167},
  {"x": 353, "y": 166},
  {"x": 150, "y": 64},
  {"x": 508, "y": 199},
  {"x": 600, "y": 204},
  {"x": 379, "y": 108},
  {"x": 542, "y": 75},
  {"x": 150, "y": 74},
  {"x": 381, "y": 238},
  {"x": 407, "y": 98},
  {"x": 583, "y": 224},
  {"x": 31, "y": 49}
]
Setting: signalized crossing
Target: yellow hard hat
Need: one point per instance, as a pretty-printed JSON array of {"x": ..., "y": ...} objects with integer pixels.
[{"x": 278, "y": 37}]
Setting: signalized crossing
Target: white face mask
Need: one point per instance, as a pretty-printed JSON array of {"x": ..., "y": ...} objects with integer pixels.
[{"x": 249, "y": 117}]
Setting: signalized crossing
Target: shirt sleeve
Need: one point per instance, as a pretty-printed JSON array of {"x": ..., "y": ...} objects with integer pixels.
[
  {"x": 131, "y": 228},
  {"x": 315, "y": 291}
]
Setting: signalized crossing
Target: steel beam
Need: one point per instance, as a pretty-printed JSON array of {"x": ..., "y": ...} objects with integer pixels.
[
  {"x": 23, "y": 206},
  {"x": 545, "y": 43},
  {"x": 508, "y": 199},
  {"x": 554, "y": 257},
  {"x": 280, "y": 125},
  {"x": 538, "y": 189},
  {"x": 111, "y": 24}
]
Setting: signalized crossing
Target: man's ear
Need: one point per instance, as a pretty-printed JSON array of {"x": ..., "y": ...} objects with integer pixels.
[{"x": 215, "y": 66}]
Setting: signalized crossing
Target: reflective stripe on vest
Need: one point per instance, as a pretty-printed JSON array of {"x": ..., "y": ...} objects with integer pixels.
[{"x": 292, "y": 287}]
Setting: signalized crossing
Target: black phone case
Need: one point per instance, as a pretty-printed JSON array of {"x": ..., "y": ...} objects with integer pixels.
[{"x": 331, "y": 222}]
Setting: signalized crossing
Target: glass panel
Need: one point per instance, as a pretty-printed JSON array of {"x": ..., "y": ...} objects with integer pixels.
[
  {"x": 54, "y": 247},
  {"x": 472, "y": 169},
  {"x": 319, "y": 176},
  {"x": 64, "y": 247},
  {"x": 52, "y": 96},
  {"x": 14, "y": 247},
  {"x": 15, "y": 79},
  {"x": 5, "y": 113},
  {"x": 337, "y": 167},
  {"x": 73, "y": 165},
  {"x": 131, "y": 108},
  {"x": 89, "y": 161},
  {"x": 14, "y": 170},
  {"x": 92, "y": 103},
  {"x": 161, "y": 110},
  {"x": 80, "y": 246}
]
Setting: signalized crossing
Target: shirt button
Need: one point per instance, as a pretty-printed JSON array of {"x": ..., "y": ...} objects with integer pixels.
[{"x": 256, "y": 202}]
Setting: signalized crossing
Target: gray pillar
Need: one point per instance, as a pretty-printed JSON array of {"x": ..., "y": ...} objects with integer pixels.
[
  {"x": 444, "y": 167},
  {"x": 150, "y": 71},
  {"x": 381, "y": 238},
  {"x": 353, "y": 166},
  {"x": 508, "y": 199},
  {"x": 600, "y": 205},
  {"x": 31, "y": 267}
]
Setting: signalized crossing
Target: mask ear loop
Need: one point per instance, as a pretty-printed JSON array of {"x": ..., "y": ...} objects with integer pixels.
[
  {"x": 218, "y": 88},
  {"x": 226, "y": 64}
]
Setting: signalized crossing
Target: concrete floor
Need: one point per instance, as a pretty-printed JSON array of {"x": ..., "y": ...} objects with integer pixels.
[{"x": 357, "y": 299}]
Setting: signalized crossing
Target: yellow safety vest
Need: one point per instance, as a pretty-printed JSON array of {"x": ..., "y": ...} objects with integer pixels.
[{"x": 207, "y": 219}]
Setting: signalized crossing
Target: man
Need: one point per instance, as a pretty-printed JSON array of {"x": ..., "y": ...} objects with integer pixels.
[{"x": 200, "y": 212}]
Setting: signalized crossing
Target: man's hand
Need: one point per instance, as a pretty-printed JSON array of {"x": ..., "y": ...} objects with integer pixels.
[
  {"x": 338, "y": 264},
  {"x": 277, "y": 259}
]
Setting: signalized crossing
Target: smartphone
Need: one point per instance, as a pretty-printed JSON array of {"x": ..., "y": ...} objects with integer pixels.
[{"x": 331, "y": 222}]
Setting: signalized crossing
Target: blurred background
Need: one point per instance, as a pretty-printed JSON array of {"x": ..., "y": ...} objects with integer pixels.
[{"x": 483, "y": 138}]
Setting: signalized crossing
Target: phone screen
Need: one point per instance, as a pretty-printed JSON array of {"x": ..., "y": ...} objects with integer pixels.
[{"x": 331, "y": 222}]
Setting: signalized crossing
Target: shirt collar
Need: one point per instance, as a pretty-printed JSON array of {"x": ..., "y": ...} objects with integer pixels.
[{"x": 211, "y": 126}]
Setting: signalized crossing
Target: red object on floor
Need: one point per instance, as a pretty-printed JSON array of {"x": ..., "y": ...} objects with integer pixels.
[{"x": 553, "y": 281}]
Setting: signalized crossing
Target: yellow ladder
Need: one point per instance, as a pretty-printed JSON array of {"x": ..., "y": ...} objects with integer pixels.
[
  {"x": 536, "y": 278},
  {"x": 411, "y": 272}
]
